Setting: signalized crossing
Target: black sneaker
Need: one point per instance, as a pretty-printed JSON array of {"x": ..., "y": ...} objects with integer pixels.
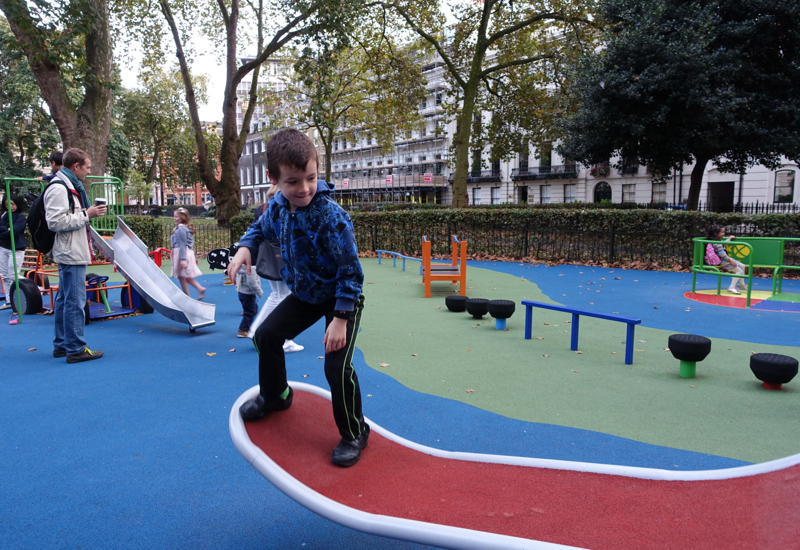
[
  {"x": 85, "y": 355},
  {"x": 256, "y": 409},
  {"x": 348, "y": 451},
  {"x": 59, "y": 352}
]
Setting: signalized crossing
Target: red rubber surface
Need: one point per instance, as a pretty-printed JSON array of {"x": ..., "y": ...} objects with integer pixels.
[{"x": 573, "y": 508}]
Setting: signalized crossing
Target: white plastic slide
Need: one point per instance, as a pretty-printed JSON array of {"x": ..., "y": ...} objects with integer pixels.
[{"x": 129, "y": 254}]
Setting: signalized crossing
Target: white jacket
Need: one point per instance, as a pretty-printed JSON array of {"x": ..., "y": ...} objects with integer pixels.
[{"x": 71, "y": 246}]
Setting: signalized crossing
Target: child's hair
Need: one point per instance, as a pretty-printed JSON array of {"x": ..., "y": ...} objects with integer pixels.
[
  {"x": 186, "y": 219},
  {"x": 271, "y": 191},
  {"x": 289, "y": 147},
  {"x": 16, "y": 199},
  {"x": 57, "y": 157},
  {"x": 712, "y": 231}
]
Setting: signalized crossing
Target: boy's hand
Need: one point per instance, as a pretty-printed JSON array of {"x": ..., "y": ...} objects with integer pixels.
[
  {"x": 336, "y": 335},
  {"x": 242, "y": 257}
]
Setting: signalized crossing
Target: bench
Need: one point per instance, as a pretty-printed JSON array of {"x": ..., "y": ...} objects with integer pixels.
[
  {"x": 576, "y": 313},
  {"x": 396, "y": 255}
]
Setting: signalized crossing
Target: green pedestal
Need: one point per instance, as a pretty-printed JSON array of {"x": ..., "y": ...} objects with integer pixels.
[{"x": 688, "y": 369}]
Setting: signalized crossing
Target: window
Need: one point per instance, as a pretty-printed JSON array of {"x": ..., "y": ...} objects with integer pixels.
[
  {"x": 784, "y": 186},
  {"x": 495, "y": 195},
  {"x": 423, "y": 104},
  {"x": 249, "y": 149},
  {"x": 476, "y": 196},
  {"x": 544, "y": 194},
  {"x": 569, "y": 192},
  {"x": 629, "y": 192},
  {"x": 659, "y": 192},
  {"x": 438, "y": 98},
  {"x": 523, "y": 161},
  {"x": 257, "y": 177},
  {"x": 335, "y": 144},
  {"x": 495, "y": 167}
]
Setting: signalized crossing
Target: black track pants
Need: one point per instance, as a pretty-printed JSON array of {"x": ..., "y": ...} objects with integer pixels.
[{"x": 291, "y": 317}]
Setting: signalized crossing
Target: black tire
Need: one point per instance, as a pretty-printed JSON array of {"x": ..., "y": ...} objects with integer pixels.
[
  {"x": 477, "y": 307},
  {"x": 139, "y": 302},
  {"x": 501, "y": 309},
  {"x": 456, "y": 304},
  {"x": 773, "y": 368},
  {"x": 689, "y": 347},
  {"x": 30, "y": 297}
]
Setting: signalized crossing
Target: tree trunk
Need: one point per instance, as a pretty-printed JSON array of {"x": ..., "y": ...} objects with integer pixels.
[
  {"x": 701, "y": 160},
  {"x": 461, "y": 146},
  {"x": 207, "y": 176},
  {"x": 89, "y": 126}
]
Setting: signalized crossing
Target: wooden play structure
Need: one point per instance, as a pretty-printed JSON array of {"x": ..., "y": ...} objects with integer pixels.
[
  {"x": 753, "y": 252},
  {"x": 455, "y": 271}
]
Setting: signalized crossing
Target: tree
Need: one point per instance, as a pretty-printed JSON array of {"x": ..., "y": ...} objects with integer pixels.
[
  {"x": 179, "y": 167},
  {"x": 371, "y": 89},
  {"x": 153, "y": 115},
  {"x": 27, "y": 133},
  {"x": 485, "y": 48},
  {"x": 683, "y": 81},
  {"x": 286, "y": 19},
  {"x": 137, "y": 188},
  {"x": 69, "y": 50}
]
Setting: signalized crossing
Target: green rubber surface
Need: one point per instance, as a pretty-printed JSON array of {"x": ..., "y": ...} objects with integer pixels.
[{"x": 723, "y": 411}]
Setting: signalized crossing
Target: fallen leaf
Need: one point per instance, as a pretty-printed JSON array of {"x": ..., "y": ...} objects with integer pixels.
[
  {"x": 692, "y": 386},
  {"x": 578, "y": 352},
  {"x": 232, "y": 350},
  {"x": 539, "y": 338},
  {"x": 638, "y": 350},
  {"x": 369, "y": 395},
  {"x": 470, "y": 391},
  {"x": 613, "y": 353},
  {"x": 655, "y": 307},
  {"x": 469, "y": 349},
  {"x": 591, "y": 303},
  {"x": 438, "y": 307},
  {"x": 666, "y": 349},
  {"x": 320, "y": 357},
  {"x": 305, "y": 376},
  {"x": 211, "y": 353},
  {"x": 643, "y": 340},
  {"x": 545, "y": 356},
  {"x": 546, "y": 323},
  {"x": 561, "y": 275},
  {"x": 34, "y": 349},
  {"x": 617, "y": 278},
  {"x": 413, "y": 355},
  {"x": 576, "y": 370},
  {"x": 384, "y": 364},
  {"x": 141, "y": 331}
]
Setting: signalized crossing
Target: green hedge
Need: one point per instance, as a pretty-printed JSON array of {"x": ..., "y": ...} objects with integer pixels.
[{"x": 565, "y": 234}]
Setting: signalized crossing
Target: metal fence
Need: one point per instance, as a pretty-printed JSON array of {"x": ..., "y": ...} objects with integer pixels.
[{"x": 207, "y": 237}]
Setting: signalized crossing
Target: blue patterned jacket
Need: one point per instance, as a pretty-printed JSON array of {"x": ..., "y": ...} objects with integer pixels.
[{"x": 318, "y": 248}]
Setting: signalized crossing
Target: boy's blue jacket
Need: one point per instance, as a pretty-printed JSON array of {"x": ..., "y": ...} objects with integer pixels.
[{"x": 318, "y": 248}]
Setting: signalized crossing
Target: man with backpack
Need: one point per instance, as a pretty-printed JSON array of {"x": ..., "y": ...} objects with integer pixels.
[{"x": 68, "y": 211}]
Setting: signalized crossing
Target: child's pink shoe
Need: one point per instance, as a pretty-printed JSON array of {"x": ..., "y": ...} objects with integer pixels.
[{"x": 14, "y": 320}]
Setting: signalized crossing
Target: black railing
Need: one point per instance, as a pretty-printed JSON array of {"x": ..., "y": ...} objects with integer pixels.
[
  {"x": 484, "y": 175},
  {"x": 545, "y": 172},
  {"x": 750, "y": 208}
]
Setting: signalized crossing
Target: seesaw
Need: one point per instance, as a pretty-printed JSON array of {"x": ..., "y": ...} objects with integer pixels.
[{"x": 411, "y": 492}]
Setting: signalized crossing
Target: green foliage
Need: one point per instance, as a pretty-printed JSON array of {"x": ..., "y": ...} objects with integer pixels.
[
  {"x": 240, "y": 223},
  {"x": 681, "y": 82},
  {"x": 118, "y": 161}
]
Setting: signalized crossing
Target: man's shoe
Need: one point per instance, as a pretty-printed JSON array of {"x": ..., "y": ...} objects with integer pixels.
[
  {"x": 347, "y": 452},
  {"x": 85, "y": 355},
  {"x": 241, "y": 334},
  {"x": 256, "y": 409},
  {"x": 59, "y": 352},
  {"x": 5, "y": 306}
]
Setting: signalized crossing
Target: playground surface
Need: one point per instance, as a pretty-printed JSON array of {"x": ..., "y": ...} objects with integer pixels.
[{"x": 133, "y": 450}]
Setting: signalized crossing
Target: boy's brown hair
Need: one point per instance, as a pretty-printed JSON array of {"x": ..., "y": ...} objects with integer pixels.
[
  {"x": 289, "y": 147},
  {"x": 74, "y": 156}
]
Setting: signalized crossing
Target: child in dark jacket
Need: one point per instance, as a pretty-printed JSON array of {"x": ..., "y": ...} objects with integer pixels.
[
  {"x": 11, "y": 220},
  {"x": 324, "y": 275}
]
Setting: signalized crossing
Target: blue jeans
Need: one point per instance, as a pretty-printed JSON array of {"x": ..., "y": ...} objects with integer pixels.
[
  {"x": 249, "y": 308},
  {"x": 69, "y": 316}
]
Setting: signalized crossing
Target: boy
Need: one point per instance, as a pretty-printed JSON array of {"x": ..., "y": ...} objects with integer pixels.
[
  {"x": 248, "y": 286},
  {"x": 323, "y": 272}
]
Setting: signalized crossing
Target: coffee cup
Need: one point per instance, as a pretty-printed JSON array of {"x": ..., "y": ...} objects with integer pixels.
[{"x": 100, "y": 201}]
